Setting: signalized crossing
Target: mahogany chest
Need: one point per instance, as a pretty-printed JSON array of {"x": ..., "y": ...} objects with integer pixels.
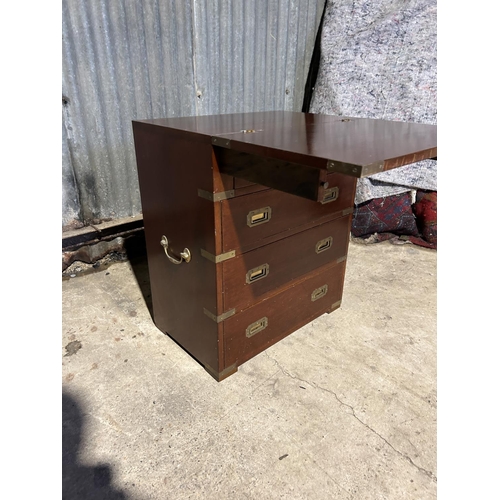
[{"x": 247, "y": 220}]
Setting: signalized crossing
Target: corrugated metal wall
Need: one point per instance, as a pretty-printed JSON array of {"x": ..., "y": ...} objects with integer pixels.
[{"x": 129, "y": 59}]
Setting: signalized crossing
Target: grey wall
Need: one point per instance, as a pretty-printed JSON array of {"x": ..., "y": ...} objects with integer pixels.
[{"x": 129, "y": 59}]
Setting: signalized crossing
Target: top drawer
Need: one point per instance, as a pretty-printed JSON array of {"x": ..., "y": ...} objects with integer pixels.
[{"x": 257, "y": 219}]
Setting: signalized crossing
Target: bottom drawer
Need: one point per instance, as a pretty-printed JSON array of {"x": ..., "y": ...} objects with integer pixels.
[{"x": 256, "y": 328}]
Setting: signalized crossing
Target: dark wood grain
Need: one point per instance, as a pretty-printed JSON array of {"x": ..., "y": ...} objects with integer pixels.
[
  {"x": 293, "y": 178},
  {"x": 287, "y": 311},
  {"x": 246, "y": 188},
  {"x": 311, "y": 140},
  {"x": 288, "y": 259},
  {"x": 171, "y": 206},
  {"x": 242, "y": 183}
]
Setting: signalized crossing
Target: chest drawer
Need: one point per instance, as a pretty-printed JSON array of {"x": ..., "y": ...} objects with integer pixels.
[
  {"x": 256, "y": 219},
  {"x": 253, "y": 276},
  {"x": 256, "y": 328}
]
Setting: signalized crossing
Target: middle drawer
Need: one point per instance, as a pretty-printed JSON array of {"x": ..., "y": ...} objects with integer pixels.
[{"x": 251, "y": 277}]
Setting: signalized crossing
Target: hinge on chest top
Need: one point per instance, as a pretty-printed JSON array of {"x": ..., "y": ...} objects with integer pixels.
[{"x": 221, "y": 141}]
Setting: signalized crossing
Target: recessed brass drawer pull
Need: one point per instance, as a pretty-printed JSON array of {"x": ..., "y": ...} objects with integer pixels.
[
  {"x": 323, "y": 245},
  {"x": 259, "y": 216},
  {"x": 257, "y": 273},
  {"x": 330, "y": 195},
  {"x": 319, "y": 292},
  {"x": 256, "y": 327},
  {"x": 185, "y": 255}
]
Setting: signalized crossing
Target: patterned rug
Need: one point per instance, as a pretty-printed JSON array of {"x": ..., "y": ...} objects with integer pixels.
[{"x": 394, "y": 218}]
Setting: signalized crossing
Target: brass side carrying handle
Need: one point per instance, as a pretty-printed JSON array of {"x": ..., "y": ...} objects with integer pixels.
[{"x": 185, "y": 255}]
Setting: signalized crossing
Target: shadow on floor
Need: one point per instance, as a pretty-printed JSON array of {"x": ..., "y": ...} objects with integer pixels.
[
  {"x": 136, "y": 254},
  {"x": 82, "y": 482}
]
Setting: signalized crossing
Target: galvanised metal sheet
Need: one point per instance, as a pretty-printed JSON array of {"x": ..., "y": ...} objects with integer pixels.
[{"x": 125, "y": 60}]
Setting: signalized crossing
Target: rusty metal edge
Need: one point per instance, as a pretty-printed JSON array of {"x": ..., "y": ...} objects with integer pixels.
[{"x": 71, "y": 240}]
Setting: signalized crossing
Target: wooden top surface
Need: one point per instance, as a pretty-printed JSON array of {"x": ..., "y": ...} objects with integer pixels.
[{"x": 354, "y": 146}]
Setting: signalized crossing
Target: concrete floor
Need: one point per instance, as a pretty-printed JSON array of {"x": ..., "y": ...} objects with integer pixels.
[{"x": 344, "y": 408}]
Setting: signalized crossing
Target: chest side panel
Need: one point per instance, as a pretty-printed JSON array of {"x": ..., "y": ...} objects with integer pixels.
[{"x": 172, "y": 167}]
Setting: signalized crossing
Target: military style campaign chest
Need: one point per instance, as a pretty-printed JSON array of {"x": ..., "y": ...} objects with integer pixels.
[{"x": 247, "y": 220}]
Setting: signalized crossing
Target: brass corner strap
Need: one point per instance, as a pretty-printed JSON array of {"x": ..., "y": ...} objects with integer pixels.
[
  {"x": 354, "y": 170},
  {"x": 374, "y": 168},
  {"x": 335, "y": 305},
  {"x": 218, "y": 258},
  {"x": 223, "y": 374},
  {"x": 222, "y": 195},
  {"x": 221, "y": 317}
]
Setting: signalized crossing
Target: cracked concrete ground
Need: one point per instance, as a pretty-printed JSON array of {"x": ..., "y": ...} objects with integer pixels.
[{"x": 344, "y": 408}]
